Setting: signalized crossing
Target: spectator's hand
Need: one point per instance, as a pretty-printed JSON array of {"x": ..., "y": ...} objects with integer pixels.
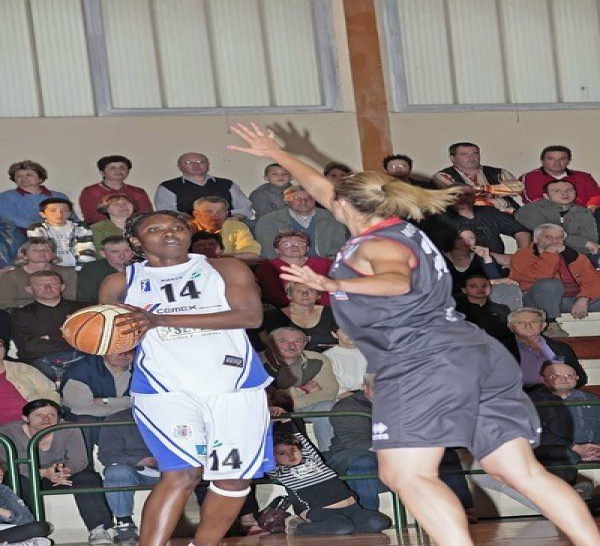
[
  {"x": 484, "y": 253},
  {"x": 237, "y": 216},
  {"x": 592, "y": 247},
  {"x": 504, "y": 280},
  {"x": 555, "y": 248},
  {"x": 311, "y": 386},
  {"x": 585, "y": 450},
  {"x": 148, "y": 461},
  {"x": 579, "y": 309},
  {"x": 502, "y": 259},
  {"x": 276, "y": 411},
  {"x": 5, "y": 513}
]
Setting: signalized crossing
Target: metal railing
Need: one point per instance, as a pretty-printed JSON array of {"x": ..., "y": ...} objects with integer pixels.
[{"x": 37, "y": 493}]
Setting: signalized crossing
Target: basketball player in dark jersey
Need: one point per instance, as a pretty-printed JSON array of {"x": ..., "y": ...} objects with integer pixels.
[{"x": 439, "y": 381}]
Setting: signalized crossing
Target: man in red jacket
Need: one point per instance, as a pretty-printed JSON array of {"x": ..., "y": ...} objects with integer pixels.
[
  {"x": 555, "y": 160},
  {"x": 555, "y": 278}
]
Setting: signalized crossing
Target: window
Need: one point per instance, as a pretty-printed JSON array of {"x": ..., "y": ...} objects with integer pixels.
[
  {"x": 115, "y": 57},
  {"x": 493, "y": 54}
]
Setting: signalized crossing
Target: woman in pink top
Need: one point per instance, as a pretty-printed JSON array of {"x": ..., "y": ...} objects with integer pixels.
[{"x": 292, "y": 247}]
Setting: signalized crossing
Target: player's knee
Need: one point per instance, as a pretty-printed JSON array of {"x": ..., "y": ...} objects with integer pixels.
[{"x": 185, "y": 478}]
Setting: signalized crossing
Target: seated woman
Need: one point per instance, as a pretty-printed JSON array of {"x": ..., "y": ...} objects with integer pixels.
[
  {"x": 316, "y": 321},
  {"x": 324, "y": 503},
  {"x": 118, "y": 207},
  {"x": 63, "y": 464},
  {"x": 16, "y": 521},
  {"x": 466, "y": 258},
  {"x": 37, "y": 254},
  {"x": 292, "y": 248}
]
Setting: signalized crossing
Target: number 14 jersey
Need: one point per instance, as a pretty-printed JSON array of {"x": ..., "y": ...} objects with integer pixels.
[{"x": 174, "y": 359}]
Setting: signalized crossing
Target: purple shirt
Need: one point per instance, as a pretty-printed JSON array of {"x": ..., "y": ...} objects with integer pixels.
[{"x": 532, "y": 360}]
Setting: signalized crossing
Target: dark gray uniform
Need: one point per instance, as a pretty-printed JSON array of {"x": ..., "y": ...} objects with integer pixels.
[{"x": 440, "y": 381}]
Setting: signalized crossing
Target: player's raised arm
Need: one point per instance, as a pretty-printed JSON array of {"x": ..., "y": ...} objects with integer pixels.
[{"x": 262, "y": 143}]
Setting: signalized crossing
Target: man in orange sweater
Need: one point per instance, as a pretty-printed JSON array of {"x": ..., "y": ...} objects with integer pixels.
[{"x": 555, "y": 278}]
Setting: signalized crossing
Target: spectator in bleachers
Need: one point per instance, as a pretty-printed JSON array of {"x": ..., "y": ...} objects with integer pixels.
[
  {"x": 36, "y": 254},
  {"x": 556, "y": 278},
  {"x": 487, "y": 223},
  {"x": 74, "y": 242},
  {"x": 492, "y": 185},
  {"x": 211, "y": 214},
  {"x": 116, "y": 254},
  {"x": 63, "y": 464},
  {"x": 292, "y": 248},
  {"x": 118, "y": 207},
  {"x": 21, "y": 205},
  {"x": 400, "y": 167},
  {"x": 268, "y": 197},
  {"x": 127, "y": 461},
  {"x": 558, "y": 207},
  {"x": 323, "y": 503},
  {"x": 303, "y": 312},
  {"x": 196, "y": 182},
  {"x": 114, "y": 169},
  {"x": 349, "y": 364},
  {"x": 208, "y": 244},
  {"x": 532, "y": 349},
  {"x": 351, "y": 451},
  {"x": 467, "y": 258},
  {"x": 333, "y": 171},
  {"x": 307, "y": 376},
  {"x": 35, "y": 327},
  {"x": 577, "y": 427},
  {"x": 94, "y": 388},
  {"x": 475, "y": 304},
  {"x": 20, "y": 383},
  {"x": 301, "y": 214},
  {"x": 555, "y": 161},
  {"x": 11, "y": 238},
  {"x": 570, "y": 434},
  {"x": 17, "y": 524}
]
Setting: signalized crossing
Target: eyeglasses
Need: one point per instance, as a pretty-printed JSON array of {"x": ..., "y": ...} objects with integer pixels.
[
  {"x": 291, "y": 245},
  {"x": 300, "y": 199},
  {"x": 198, "y": 162},
  {"x": 555, "y": 376},
  {"x": 527, "y": 322},
  {"x": 305, "y": 291}
]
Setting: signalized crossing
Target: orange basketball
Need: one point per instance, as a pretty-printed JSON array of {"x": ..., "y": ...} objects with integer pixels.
[{"x": 93, "y": 330}]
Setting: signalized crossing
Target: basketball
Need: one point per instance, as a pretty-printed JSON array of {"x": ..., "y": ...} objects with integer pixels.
[{"x": 93, "y": 330}]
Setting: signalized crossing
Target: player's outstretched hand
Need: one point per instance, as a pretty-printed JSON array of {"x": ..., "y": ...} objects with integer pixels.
[
  {"x": 140, "y": 320},
  {"x": 260, "y": 142},
  {"x": 305, "y": 275}
]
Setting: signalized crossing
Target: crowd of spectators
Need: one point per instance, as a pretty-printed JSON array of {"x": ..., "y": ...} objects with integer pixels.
[{"x": 53, "y": 263}]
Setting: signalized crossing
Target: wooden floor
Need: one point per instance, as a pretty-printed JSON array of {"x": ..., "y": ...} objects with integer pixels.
[{"x": 534, "y": 531}]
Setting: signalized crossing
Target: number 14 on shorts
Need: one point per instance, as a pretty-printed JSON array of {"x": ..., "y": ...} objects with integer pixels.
[{"x": 219, "y": 458}]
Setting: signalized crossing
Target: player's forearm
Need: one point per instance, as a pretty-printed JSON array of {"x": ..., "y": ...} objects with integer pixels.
[
  {"x": 311, "y": 180},
  {"x": 226, "y": 320},
  {"x": 384, "y": 284}
]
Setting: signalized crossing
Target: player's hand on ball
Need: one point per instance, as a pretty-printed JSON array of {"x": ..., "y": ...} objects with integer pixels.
[{"x": 139, "y": 319}]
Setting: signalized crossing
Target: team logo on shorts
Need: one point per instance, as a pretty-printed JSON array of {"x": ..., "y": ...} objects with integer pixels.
[
  {"x": 182, "y": 431},
  {"x": 340, "y": 295},
  {"x": 201, "y": 449},
  {"x": 379, "y": 432}
]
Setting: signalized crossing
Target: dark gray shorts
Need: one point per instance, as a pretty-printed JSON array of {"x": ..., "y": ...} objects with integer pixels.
[{"x": 466, "y": 396}]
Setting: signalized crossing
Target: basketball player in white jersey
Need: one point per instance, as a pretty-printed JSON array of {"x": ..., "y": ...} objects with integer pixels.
[{"x": 198, "y": 386}]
